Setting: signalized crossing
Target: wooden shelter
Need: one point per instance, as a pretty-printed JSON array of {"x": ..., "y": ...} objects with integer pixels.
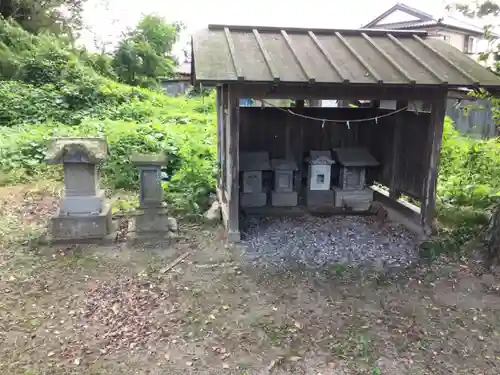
[{"x": 311, "y": 64}]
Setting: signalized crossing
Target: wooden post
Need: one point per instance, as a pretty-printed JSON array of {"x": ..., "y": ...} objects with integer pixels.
[
  {"x": 394, "y": 193},
  {"x": 432, "y": 156},
  {"x": 233, "y": 129},
  {"x": 220, "y": 112}
]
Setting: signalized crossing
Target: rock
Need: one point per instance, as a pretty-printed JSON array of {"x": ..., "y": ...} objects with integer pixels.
[
  {"x": 172, "y": 224},
  {"x": 488, "y": 280},
  {"x": 214, "y": 212}
]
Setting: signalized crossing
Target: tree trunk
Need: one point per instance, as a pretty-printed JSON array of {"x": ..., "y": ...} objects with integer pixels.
[{"x": 492, "y": 236}]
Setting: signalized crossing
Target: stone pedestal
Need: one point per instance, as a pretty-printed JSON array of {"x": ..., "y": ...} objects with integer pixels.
[
  {"x": 353, "y": 200},
  {"x": 83, "y": 214},
  {"x": 151, "y": 219}
]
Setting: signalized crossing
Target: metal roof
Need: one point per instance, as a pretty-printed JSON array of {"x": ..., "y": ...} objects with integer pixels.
[{"x": 364, "y": 56}]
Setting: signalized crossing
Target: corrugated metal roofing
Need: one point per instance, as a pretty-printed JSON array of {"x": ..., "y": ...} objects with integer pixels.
[{"x": 267, "y": 54}]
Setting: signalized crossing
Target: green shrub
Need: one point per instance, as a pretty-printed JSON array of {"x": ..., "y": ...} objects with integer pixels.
[{"x": 468, "y": 187}]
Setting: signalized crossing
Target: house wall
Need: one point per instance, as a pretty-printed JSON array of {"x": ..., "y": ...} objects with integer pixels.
[
  {"x": 175, "y": 88},
  {"x": 286, "y": 136}
]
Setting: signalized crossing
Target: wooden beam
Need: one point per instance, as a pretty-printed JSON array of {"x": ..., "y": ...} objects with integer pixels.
[
  {"x": 360, "y": 59},
  {"x": 389, "y": 59},
  {"x": 267, "y": 57},
  {"x": 327, "y": 56},
  {"x": 447, "y": 60},
  {"x": 339, "y": 92},
  {"x": 232, "y": 54},
  {"x": 288, "y": 42},
  {"x": 220, "y": 111},
  {"x": 398, "y": 123},
  {"x": 224, "y": 109},
  {"x": 421, "y": 62},
  {"x": 432, "y": 156},
  {"x": 233, "y": 230}
]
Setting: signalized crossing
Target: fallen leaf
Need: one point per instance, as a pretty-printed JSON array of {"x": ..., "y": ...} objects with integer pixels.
[
  {"x": 189, "y": 364},
  {"x": 77, "y": 361},
  {"x": 298, "y": 324},
  {"x": 225, "y": 365},
  {"x": 294, "y": 358},
  {"x": 51, "y": 354}
]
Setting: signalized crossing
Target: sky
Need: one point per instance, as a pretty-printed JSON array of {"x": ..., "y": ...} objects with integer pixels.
[{"x": 108, "y": 19}]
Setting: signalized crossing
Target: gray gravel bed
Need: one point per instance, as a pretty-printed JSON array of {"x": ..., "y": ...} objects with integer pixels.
[{"x": 316, "y": 242}]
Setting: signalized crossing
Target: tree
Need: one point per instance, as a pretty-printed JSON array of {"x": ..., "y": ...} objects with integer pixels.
[
  {"x": 35, "y": 16},
  {"x": 145, "y": 53},
  {"x": 483, "y": 9}
]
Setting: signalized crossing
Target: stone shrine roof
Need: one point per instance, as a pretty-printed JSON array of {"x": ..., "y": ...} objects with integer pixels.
[
  {"x": 254, "y": 161},
  {"x": 354, "y": 157},
  {"x": 320, "y": 157},
  {"x": 148, "y": 159},
  {"x": 79, "y": 150},
  {"x": 284, "y": 165}
]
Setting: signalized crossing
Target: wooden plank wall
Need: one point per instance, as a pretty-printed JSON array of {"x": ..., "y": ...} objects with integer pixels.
[{"x": 285, "y": 135}]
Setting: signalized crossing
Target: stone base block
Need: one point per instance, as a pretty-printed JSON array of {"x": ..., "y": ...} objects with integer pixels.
[
  {"x": 253, "y": 200},
  {"x": 82, "y": 205},
  {"x": 320, "y": 199},
  {"x": 282, "y": 199},
  {"x": 353, "y": 200},
  {"x": 82, "y": 227},
  {"x": 154, "y": 221}
]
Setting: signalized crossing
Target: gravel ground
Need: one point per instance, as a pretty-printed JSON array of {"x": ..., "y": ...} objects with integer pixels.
[{"x": 316, "y": 242}]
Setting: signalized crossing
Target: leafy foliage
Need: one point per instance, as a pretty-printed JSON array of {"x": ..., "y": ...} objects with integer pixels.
[
  {"x": 468, "y": 189},
  {"x": 144, "y": 54},
  {"x": 56, "y": 16},
  {"x": 51, "y": 89}
]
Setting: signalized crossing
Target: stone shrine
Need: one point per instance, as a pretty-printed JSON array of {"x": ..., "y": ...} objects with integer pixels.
[
  {"x": 283, "y": 194},
  {"x": 352, "y": 193},
  {"x": 83, "y": 212},
  {"x": 252, "y": 164},
  {"x": 319, "y": 194},
  {"x": 151, "y": 217}
]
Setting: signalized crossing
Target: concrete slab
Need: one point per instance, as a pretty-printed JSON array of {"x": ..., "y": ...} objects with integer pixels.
[
  {"x": 284, "y": 199},
  {"x": 320, "y": 199},
  {"x": 82, "y": 227},
  {"x": 355, "y": 200},
  {"x": 253, "y": 200}
]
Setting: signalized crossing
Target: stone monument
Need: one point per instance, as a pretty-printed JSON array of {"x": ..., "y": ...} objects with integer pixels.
[
  {"x": 252, "y": 164},
  {"x": 151, "y": 217},
  {"x": 283, "y": 194},
  {"x": 352, "y": 193},
  {"x": 83, "y": 212},
  {"x": 319, "y": 193}
]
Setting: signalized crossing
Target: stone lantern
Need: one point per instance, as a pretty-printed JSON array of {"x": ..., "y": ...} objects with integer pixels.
[
  {"x": 319, "y": 193},
  {"x": 283, "y": 194},
  {"x": 352, "y": 192},
  {"x": 83, "y": 212},
  {"x": 151, "y": 217},
  {"x": 252, "y": 164}
]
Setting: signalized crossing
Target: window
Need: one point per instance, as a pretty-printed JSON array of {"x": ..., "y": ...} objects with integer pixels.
[
  {"x": 446, "y": 38},
  {"x": 470, "y": 44}
]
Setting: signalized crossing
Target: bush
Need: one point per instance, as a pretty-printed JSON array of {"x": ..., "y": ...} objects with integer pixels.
[{"x": 468, "y": 188}]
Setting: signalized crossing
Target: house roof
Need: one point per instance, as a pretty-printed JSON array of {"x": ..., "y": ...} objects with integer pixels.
[
  {"x": 224, "y": 54},
  {"x": 423, "y": 20}
]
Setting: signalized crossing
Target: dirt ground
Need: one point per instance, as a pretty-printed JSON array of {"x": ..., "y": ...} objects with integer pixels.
[{"x": 121, "y": 310}]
